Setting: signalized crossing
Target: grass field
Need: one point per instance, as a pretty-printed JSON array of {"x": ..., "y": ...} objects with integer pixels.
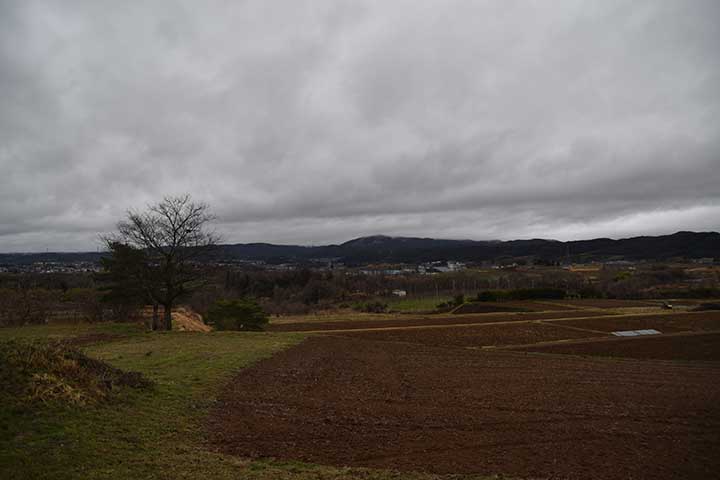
[
  {"x": 415, "y": 304},
  {"x": 152, "y": 434}
]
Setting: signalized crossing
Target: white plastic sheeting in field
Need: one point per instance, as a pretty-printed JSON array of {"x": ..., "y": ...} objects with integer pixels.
[{"x": 635, "y": 333}]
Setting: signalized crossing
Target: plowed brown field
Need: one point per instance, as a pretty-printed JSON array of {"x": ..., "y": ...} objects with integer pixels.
[
  {"x": 478, "y": 336},
  {"x": 513, "y": 306},
  {"x": 415, "y": 407},
  {"x": 695, "y": 347},
  {"x": 401, "y": 321},
  {"x": 676, "y": 322},
  {"x": 610, "y": 303}
]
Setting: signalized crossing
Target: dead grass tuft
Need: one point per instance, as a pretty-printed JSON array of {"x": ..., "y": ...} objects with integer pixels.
[{"x": 57, "y": 372}]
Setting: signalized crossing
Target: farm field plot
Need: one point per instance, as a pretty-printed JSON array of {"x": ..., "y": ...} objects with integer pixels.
[
  {"x": 549, "y": 305},
  {"x": 490, "y": 307},
  {"x": 694, "y": 347},
  {"x": 415, "y": 304},
  {"x": 480, "y": 336},
  {"x": 402, "y": 321},
  {"x": 514, "y": 306},
  {"x": 341, "y": 316},
  {"x": 609, "y": 303},
  {"x": 678, "y": 322},
  {"x": 412, "y": 407}
]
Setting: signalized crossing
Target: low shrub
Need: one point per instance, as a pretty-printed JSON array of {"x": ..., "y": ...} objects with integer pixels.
[
  {"x": 26, "y": 306},
  {"x": 240, "y": 314},
  {"x": 371, "y": 307},
  {"x": 456, "y": 301}
]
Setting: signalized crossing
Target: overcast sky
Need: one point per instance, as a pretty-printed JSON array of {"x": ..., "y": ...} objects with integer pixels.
[{"x": 318, "y": 121}]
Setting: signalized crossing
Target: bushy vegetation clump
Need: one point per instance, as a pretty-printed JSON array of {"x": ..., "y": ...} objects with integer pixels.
[
  {"x": 26, "y": 306},
  {"x": 456, "y": 301},
  {"x": 238, "y": 314},
  {"x": 87, "y": 301},
  {"x": 371, "y": 307},
  {"x": 56, "y": 372}
]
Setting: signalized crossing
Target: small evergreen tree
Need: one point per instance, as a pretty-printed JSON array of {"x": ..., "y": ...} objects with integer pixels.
[
  {"x": 242, "y": 314},
  {"x": 126, "y": 280}
]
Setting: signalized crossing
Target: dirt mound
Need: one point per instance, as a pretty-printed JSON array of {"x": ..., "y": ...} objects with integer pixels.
[
  {"x": 56, "y": 372},
  {"x": 186, "y": 320}
]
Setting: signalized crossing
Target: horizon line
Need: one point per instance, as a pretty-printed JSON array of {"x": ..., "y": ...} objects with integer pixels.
[{"x": 386, "y": 236}]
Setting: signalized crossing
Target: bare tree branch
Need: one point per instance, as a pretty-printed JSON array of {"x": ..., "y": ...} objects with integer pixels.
[{"x": 173, "y": 234}]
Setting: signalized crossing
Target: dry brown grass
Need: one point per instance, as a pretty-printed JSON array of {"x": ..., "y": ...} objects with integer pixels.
[{"x": 56, "y": 372}]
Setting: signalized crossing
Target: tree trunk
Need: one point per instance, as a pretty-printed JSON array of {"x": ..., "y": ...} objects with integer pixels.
[
  {"x": 155, "y": 317},
  {"x": 168, "y": 316}
]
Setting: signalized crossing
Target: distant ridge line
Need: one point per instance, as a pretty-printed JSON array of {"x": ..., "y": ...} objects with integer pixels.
[{"x": 383, "y": 248}]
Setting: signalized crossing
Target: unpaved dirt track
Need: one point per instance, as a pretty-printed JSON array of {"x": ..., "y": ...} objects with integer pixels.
[{"x": 354, "y": 401}]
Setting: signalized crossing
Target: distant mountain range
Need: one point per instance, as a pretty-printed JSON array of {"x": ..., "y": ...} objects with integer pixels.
[{"x": 380, "y": 248}]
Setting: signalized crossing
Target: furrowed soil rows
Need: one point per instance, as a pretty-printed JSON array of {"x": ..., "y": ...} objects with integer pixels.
[
  {"x": 679, "y": 322},
  {"x": 483, "y": 307},
  {"x": 430, "y": 320},
  {"x": 480, "y": 336},
  {"x": 410, "y": 407},
  {"x": 609, "y": 303},
  {"x": 695, "y": 347},
  {"x": 514, "y": 306}
]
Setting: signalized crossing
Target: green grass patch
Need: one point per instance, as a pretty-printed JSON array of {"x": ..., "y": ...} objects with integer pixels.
[
  {"x": 154, "y": 433},
  {"x": 415, "y": 304},
  {"x": 61, "y": 331}
]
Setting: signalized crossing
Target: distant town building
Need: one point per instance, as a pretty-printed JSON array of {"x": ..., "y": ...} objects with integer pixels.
[{"x": 441, "y": 267}]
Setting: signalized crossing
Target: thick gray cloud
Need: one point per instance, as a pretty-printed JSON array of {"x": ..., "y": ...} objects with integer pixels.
[{"x": 317, "y": 121}]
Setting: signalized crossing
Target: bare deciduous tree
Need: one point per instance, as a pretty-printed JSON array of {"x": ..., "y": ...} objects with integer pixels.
[{"x": 173, "y": 234}]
